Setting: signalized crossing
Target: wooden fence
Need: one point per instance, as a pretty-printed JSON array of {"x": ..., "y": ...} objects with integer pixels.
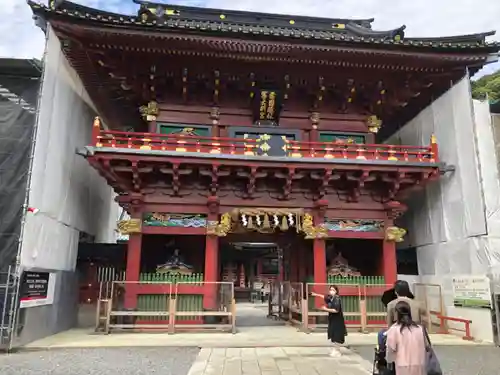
[{"x": 121, "y": 307}]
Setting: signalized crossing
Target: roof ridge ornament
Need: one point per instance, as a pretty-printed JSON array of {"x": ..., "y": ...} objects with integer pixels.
[{"x": 54, "y": 4}]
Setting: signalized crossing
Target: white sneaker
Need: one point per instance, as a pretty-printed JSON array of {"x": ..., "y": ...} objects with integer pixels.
[{"x": 335, "y": 353}]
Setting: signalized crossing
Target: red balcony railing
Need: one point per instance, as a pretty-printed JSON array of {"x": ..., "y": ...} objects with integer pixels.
[{"x": 246, "y": 146}]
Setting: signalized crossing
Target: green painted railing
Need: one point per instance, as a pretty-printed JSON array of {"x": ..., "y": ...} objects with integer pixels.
[
  {"x": 350, "y": 304},
  {"x": 161, "y": 302},
  {"x": 354, "y": 280},
  {"x": 357, "y": 280},
  {"x": 168, "y": 278}
]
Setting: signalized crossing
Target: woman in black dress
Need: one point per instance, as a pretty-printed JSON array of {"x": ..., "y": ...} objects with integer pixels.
[{"x": 336, "y": 325}]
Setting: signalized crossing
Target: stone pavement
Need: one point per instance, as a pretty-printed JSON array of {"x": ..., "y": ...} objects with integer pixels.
[
  {"x": 276, "y": 336},
  {"x": 277, "y": 361}
]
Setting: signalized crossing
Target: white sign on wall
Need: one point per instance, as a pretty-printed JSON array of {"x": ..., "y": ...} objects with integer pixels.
[{"x": 471, "y": 291}]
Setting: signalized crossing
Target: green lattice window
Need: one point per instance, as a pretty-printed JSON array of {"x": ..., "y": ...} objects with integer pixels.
[{"x": 344, "y": 137}]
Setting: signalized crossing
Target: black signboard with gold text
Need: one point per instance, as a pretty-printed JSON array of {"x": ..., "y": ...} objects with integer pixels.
[{"x": 267, "y": 106}]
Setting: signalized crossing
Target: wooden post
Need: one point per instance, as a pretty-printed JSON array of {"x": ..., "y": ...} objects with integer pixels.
[
  {"x": 152, "y": 127},
  {"x": 319, "y": 253},
  {"x": 304, "y": 310},
  {"x": 172, "y": 308},
  {"x": 434, "y": 149},
  {"x": 211, "y": 272},
  {"x": 233, "y": 315},
  {"x": 107, "y": 321},
  {"x": 364, "y": 318},
  {"x": 96, "y": 131},
  {"x": 134, "y": 249},
  {"x": 389, "y": 262}
]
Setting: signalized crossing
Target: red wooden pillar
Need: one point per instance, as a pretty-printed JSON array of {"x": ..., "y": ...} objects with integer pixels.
[
  {"x": 319, "y": 254},
  {"x": 152, "y": 127},
  {"x": 134, "y": 248},
  {"x": 211, "y": 273},
  {"x": 389, "y": 262}
]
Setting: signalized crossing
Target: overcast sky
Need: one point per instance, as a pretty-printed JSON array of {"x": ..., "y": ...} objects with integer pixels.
[{"x": 20, "y": 38}]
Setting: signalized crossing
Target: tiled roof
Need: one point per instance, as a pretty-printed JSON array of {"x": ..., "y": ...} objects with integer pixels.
[{"x": 204, "y": 21}]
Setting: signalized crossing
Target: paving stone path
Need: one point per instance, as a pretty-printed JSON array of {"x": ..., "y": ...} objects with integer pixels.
[{"x": 277, "y": 361}]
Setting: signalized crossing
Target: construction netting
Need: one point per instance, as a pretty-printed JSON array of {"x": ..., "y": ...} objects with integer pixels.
[{"x": 19, "y": 86}]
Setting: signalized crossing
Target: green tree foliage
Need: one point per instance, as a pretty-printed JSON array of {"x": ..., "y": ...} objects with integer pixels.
[{"x": 487, "y": 86}]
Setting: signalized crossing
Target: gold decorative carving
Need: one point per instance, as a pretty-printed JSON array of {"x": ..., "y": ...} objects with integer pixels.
[
  {"x": 149, "y": 111},
  {"x": 262, "y": 143},
  {"x": 395, "y": 234},
  {"x": 374, "y": 124},
  {"x": 129, "y": 226},
  {"x": 312, "y": 231},
  {"x": 220, "y": 228}
]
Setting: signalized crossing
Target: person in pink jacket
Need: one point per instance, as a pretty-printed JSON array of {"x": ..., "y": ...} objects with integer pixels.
[{"x": 405, "y": 345}]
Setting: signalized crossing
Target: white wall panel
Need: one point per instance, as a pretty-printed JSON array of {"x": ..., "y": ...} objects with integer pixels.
[
  {"x": 69, "y": 193},
  {"x": 455, "y": 223}
]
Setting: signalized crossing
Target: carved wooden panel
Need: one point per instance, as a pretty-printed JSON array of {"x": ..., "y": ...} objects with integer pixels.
[
  {"x": 358, "y": 138},
  {"x": 193, "y": 130},
  {"x": 270, "y": 141}
]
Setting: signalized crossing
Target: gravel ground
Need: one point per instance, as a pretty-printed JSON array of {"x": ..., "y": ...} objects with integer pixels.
[
  {"x": 457, "y": 360},
  {"x": 120, "y": 361}
]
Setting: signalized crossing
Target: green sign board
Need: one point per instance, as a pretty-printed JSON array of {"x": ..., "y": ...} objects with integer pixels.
[{"x": 471, "y": 291}]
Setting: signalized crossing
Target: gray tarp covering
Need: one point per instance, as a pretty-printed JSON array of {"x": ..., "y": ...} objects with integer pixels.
[{"x": 19, "y": 84}]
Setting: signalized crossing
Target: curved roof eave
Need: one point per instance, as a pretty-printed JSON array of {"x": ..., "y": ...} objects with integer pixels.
[{"x": 206, "y": 24}]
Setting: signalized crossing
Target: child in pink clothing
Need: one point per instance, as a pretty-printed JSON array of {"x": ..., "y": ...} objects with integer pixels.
[{"x": 406, "y": 343}]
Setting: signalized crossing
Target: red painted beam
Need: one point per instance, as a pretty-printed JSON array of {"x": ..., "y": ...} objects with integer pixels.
[{"x": 353, "y": 234}]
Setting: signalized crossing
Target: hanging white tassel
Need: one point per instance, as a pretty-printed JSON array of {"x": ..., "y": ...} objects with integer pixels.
[
  {"x": 258, "y": 220},
  {"x": 290, "y": 219},
  {"x": 244, "y": 220},
  {"x": 276, "y": 220}
]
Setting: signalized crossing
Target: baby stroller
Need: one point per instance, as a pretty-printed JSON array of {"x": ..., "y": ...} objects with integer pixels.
[{"x": 380, "y": 365}]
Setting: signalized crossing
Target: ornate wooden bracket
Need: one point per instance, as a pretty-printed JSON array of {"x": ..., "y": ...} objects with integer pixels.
[
  {"x": 312, "y": 231},
  {"x": 135, "y": 176},
  {"x": 374, "y": 124},
  {"x": 213, "y": 205},
  {"x": 394, "y": 209},
  {"x": 220, "y": 228},
  {"x": 150, "y": 111},
  {"x": 359, "y": 183},
  {"x": 395, "y": 234},
  {"x": 215, "y": 115},
  {"x": 130, "y": 226}
]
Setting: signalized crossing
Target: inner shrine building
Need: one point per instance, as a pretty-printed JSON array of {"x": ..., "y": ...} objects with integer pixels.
[{"x": 248, "y": 147}]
